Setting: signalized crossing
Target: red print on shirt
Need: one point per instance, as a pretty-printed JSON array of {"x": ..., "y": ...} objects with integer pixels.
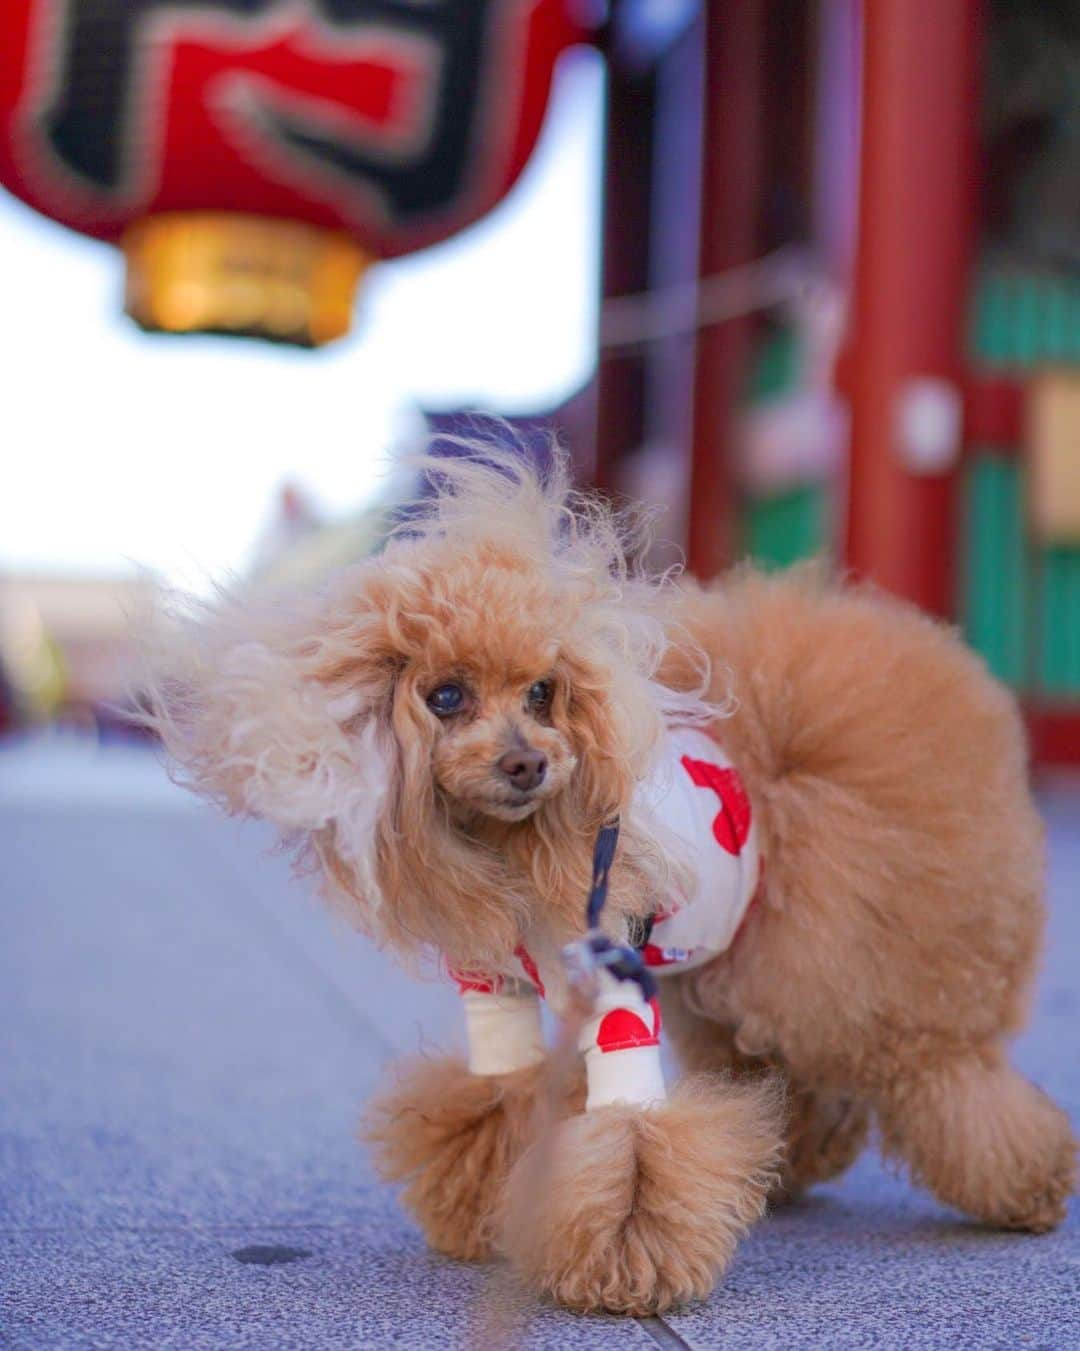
[
  {"x": 654, "y": 955},
  {"x": 529, "y": 967},
  {"x": 731, "y": 825},
  {"x": 623, "y": 1030}
]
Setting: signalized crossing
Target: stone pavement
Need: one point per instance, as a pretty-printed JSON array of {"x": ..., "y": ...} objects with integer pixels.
[{"x": 186, "y": 1037}]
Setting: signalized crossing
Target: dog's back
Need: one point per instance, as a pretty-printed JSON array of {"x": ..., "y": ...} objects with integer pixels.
[{"x": 889, "y": 774}]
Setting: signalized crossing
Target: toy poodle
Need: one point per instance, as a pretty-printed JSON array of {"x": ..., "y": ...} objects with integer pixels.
[{"x": 803, "y": 806}]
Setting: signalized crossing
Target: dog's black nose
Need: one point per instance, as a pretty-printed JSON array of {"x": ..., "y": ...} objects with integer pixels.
[{"x": 524, "y": 769}]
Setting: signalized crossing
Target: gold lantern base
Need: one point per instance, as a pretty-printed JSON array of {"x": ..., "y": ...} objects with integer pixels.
[{"x": 223, "y": 272}]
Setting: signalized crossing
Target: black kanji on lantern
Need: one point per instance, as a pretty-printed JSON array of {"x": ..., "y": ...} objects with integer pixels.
[{"x": 105, "y": 73}]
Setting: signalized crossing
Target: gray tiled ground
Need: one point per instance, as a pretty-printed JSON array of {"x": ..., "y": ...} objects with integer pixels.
[{"x": 185, "y": 1039}]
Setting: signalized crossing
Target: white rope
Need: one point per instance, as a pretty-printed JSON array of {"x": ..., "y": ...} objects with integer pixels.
[{"x": 780, "y": 278}]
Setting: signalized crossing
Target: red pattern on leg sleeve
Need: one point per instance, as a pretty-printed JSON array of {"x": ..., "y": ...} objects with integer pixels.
[
  {"x": 473, "y": 981},
  {"x": 622, "y": 1029}
]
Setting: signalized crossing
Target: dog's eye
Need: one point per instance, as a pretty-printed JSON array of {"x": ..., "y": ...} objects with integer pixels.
[
  {"x": 446, "y": 699},
  {"x": 539, "y": 694}
]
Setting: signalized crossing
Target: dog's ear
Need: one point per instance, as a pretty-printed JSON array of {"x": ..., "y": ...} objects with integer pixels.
[
  {"x": 278, "y": 707},
  {"x": 614, "y": 722}
]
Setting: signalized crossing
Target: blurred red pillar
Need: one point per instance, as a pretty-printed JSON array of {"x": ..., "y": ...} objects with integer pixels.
[
  {"x": 917, "y": 207},
  {"x": 732, "y": 166}
]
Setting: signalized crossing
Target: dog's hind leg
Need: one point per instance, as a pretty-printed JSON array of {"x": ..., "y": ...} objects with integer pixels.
[
  {"x": 824, "y": 1131},
  {"x": 982, "y": 1138}
]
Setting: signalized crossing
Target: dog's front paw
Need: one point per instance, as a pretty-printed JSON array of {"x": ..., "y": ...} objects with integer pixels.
[
  {"x": 633, "y": 1210},
  {"x": 451, "y": 1136}
]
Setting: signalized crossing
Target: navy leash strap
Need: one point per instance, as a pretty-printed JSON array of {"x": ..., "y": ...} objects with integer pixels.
[
  {"x": 622, "y": 961},
  {"x": 603, "y": 857}
]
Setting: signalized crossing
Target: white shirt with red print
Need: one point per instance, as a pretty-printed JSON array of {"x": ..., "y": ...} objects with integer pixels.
[{"x": 695, "y": 795}]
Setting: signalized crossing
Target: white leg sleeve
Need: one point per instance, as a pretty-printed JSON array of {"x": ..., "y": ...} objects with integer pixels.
[
  {"x": 503, "y": 1028},
  {"x": 621, "y": 1043}
]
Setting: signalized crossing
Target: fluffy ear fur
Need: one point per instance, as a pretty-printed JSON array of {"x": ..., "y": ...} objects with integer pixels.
[{"x": 270, "y": 707}]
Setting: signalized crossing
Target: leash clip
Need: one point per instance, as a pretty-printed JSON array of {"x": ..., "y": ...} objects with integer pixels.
[
  {"x": 588, "y": 957},
  {"x": 582, "y": 970}
]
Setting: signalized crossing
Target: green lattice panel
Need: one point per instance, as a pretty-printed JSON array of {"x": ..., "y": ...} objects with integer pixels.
[
  {"x": 995, "y": 565},
  {"x": 1058, "y": 638},
  {"x": 788, "y": 527},
  {"x": 792, "y": 525}
]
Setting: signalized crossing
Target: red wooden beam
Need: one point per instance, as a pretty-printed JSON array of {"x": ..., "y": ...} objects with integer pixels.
[
  {"x": 732, "y": 166},
  {"x": 916, "y": 222},
  {"x": 628, "y": 153},
  {"x": 995, "y": 414},
  {"x": 1054, "y": 734}
]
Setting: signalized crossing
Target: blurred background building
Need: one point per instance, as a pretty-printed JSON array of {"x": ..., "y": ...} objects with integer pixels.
[{"x": 806, "y": 273}]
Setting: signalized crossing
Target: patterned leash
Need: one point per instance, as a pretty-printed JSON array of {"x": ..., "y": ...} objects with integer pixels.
[{"x": 596, "y": 952}]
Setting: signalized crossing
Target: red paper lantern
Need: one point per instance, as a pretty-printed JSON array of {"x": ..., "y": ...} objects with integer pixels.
[{"x": 252, "y": 156}]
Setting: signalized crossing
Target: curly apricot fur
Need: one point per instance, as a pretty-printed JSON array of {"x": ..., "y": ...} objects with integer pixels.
[{"x": 891, "y": 956}]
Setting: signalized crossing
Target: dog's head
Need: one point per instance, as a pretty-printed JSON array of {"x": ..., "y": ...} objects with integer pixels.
[{"x": 484, "y": 685}]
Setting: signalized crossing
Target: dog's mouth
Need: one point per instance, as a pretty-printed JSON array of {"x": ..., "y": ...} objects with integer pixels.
[{"x": 512, "y": 804}]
